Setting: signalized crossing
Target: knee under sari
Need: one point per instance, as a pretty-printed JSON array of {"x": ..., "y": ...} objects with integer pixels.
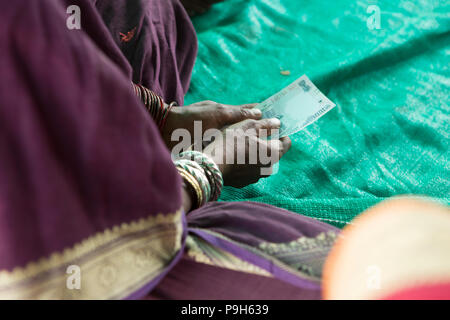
[{"x": 87, "y": 183}]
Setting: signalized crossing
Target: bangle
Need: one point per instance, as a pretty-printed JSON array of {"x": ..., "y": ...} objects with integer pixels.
[
  {"x": 154, "y": 105},
  {"x": 196, "y": 171},
  {"x": 166, "y": 115},
  {"x": 210, "y": 170},
  {"x": 193, "y": 183}
]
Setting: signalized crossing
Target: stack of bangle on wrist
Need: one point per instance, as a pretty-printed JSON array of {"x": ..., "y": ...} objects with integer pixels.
[
  {"x": 201, "y": 174},
  {"x": 154, "y": 104}
]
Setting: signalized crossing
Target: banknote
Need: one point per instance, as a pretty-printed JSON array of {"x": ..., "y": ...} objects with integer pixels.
[{"x": 296, "y": 106}]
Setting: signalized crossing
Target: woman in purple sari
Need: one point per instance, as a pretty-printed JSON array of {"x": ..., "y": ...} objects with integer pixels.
[{"x": 92, "y": 205}]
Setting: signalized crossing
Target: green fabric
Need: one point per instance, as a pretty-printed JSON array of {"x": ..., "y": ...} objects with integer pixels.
[{"x": 389, "y": 133}]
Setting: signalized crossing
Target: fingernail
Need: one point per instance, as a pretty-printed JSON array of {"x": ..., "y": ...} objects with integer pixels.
[
  {"x": 256, "y": 112},
  {"x": 275, "y": 122}
]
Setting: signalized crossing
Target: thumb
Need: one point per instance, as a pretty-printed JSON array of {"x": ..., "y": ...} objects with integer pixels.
[{"x": 235, "y": 114}]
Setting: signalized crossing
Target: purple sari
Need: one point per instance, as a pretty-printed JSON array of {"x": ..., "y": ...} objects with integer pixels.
[{"x": 90, "y": 202}]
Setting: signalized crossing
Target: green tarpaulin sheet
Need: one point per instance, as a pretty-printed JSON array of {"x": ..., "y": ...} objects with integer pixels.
[{"x": 389, "y": 133}]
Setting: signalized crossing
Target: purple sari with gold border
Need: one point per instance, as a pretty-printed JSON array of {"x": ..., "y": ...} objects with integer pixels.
[{"x": 86, "y": 181}]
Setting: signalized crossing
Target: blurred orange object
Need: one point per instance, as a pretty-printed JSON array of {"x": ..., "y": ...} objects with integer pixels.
[{"x": 399, "y": 249}]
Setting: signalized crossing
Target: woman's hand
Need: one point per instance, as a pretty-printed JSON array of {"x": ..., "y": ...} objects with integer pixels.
[
  {"x": 257, "y": 155},
  {"x": 211, "y": 114}
]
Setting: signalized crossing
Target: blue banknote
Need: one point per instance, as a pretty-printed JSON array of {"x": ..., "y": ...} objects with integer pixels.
[{"x": 296, "y": 106}]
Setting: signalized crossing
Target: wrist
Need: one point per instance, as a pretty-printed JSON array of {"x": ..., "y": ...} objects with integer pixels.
[
  {"x": 173, "y": 122},
  {"x": 201, "y": 175},
  {"x": 155, "y": 105},
  {"x": 189, "y": 197}
]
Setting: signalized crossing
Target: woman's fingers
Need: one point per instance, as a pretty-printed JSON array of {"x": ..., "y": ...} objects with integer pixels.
[
  {"x": 258, "y": 125},
  {"x": 276, "y": 149},
  {"x": 268, "y": 125},
  {"x": 249, "y": 105},
  {"x": 286, "y": 143},
  {"x": 281, "y": 146},
  {"x": 220, "y": 115},
  {"x": 235, "y": 114}
]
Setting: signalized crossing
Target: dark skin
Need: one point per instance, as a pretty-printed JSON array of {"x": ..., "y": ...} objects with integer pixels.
[
  {"x": 241, "y": 175},
  {"x": 219, "y": 116},
  {"x": 212, "y": 114},
  {"x": 236, "y": 118}
]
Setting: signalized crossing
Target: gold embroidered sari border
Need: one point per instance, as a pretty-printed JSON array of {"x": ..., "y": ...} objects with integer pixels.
[{"x": 112, "y": 262}]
